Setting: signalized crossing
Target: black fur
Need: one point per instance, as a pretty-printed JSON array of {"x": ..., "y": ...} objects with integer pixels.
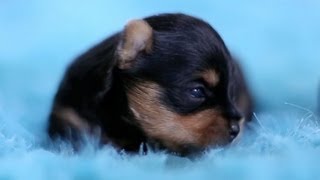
[{"x": 93, "y": 85}]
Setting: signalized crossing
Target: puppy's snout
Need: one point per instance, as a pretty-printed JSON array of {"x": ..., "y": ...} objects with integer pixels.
[
  {"x": 235, "y": 115},
  {"x": 234, "y": 130},
  {"x": 232, "y": 113}
]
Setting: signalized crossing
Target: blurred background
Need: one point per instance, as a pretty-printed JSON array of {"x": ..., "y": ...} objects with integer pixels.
[{"x": 277, "y": 42}]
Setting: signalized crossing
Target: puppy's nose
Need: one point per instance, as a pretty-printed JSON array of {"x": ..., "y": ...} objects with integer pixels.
[{"x": 234, "y": 130}]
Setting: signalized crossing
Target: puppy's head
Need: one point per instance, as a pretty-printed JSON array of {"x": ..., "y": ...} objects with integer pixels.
[{"x": 176, "y": 72}]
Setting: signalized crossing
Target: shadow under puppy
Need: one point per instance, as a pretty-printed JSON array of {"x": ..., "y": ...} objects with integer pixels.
[{"x": 167, "y": 81}]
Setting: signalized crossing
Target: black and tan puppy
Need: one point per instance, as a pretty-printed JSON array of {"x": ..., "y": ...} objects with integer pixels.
[{"x": 167, "y": 80}]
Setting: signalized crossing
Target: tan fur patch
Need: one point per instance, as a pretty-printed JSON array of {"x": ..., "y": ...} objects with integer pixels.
[
  {"x": 201, "y": 129},
  {"x": 137, "y": 37},
  {"x": 211, "y": 77},
  {"x": 71, "y": 117}
]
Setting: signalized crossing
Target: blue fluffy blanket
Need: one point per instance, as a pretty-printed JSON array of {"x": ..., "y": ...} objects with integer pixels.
[{"x": 278, "y": 44}]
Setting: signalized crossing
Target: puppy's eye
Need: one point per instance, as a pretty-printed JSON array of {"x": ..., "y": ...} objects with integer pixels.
[{"x": 197, "y": 92}]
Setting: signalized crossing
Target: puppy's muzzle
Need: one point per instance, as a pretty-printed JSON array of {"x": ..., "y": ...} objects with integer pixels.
[{"x": 234, "y": 130}]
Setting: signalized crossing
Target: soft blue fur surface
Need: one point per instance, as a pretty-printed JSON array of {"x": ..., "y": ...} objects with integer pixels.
[{"x": 277, "y": 42}]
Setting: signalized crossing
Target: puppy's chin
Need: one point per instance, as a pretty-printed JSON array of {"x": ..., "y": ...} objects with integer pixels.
[
  {"x": 185, "y": 150},
  {"x": 188, "y": 149}
]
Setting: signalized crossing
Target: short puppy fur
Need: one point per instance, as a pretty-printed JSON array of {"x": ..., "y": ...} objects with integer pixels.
[{"x": 168, "y": 81}]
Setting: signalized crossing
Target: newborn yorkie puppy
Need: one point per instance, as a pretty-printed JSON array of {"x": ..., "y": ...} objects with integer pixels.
[{"x": 166, "y": 80}]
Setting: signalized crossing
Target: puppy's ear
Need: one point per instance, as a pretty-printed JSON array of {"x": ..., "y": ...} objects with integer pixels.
[{"x": 136, "y": 37}]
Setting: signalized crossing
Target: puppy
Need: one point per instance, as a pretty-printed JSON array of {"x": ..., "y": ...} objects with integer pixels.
[{"x": 166, "y": 80}]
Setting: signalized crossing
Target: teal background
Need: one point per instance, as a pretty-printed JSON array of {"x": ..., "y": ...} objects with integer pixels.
[{"x": 277, "y": 42}]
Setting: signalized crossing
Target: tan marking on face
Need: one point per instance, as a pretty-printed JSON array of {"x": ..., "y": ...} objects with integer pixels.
[
  {"x": 211, "y": 77},
  {"x": 200, "y": 129},
  {"x": 71, "y": 117}
]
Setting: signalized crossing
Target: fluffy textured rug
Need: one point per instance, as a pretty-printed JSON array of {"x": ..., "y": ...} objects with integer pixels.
[{"x": 278, "y": 44}]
